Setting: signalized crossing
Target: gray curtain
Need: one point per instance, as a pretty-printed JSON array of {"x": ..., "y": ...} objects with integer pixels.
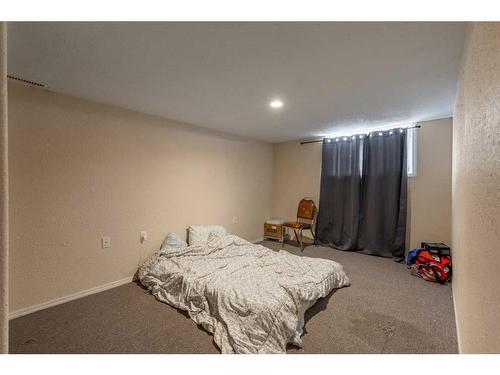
[
  {"x": 340, "y": 193},
  {"x": 363, "y": 195},
  {"x": 384, "y": 195}
]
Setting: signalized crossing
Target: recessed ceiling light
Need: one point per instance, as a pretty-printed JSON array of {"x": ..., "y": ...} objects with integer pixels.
[{"x": 276, "y": 103}]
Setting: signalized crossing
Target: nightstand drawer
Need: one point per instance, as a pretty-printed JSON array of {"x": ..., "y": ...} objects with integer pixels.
[{"x": 273, "y": 230}]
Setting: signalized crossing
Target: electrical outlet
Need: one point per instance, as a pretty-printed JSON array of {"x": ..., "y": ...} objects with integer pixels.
[
  {"x": 144, "y": 236},
  {"x": 235, "y": 220},
  {"x": 106, "y": 242}
]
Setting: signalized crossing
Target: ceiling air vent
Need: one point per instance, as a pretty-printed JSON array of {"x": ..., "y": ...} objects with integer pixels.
[{"x": 26, "y": 82}]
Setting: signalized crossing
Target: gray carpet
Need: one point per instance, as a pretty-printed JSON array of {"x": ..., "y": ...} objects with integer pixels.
[{"x": 385, "y": 310}]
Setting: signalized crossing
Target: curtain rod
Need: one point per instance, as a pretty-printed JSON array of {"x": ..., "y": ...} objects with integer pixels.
[{"x": 375, "y": 130}]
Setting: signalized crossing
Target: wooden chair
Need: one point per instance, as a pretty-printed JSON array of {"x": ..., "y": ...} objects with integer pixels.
[{"x": 306, "y": 214}]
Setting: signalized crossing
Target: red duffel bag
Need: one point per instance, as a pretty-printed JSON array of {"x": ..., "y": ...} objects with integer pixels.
[{"x": 433, "y": 267}]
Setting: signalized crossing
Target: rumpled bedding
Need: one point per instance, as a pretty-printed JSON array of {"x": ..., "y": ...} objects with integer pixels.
[{"x": 252, "y": 299}]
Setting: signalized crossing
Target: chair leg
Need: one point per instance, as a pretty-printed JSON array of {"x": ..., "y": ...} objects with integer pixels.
[
  {"x": 283, "y": 237},
  {"x": 301, "y": 242},
  {"x": 296, "y": 236},
  {"x": 314, "y": 237}
]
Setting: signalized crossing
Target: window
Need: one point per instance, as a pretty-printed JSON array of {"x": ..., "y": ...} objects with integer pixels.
[
  {"x": 411, "y": 145},
  {"x": 411, "y": 142}
]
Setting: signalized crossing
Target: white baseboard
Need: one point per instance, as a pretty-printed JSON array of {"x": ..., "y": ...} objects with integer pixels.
[
  {"x": 71, "y": 297},
  {"x": 83, "y": 293},
  {"x": 456, "y": 318}
]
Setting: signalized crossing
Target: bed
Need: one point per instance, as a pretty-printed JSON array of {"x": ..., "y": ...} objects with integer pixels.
[{"x": 252, "y": 299}]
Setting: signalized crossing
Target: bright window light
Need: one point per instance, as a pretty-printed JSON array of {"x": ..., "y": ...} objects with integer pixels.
[
  {"x": 411, "y": 142},
  {"x": 276, "y": 103}
]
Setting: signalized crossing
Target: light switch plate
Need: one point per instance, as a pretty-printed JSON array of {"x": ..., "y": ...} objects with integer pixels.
[
  {"x": 106, "y": 242},
  {"x": 144, "y": 236}
]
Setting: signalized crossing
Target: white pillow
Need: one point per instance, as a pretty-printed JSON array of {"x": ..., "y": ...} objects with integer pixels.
[
  {"x": 198, "y": 234},
  {"x": 173, "y": 240}
]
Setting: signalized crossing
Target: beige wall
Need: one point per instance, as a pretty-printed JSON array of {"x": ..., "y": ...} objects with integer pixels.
[
  {"x": 297, "y": 173},
  {"x": 430, "y": 190},
  {"x": 476, "y": 192},
  {"x": 4, "y": 196},
  {"x": 81, "y": 170}
]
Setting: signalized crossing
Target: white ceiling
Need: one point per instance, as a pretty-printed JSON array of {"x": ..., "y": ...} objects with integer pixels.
[{"x": 331, "y": 76}]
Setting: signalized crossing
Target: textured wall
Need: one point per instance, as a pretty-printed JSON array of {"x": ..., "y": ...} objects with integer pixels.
[
  {"x": 297, "y": 173},
  {"x": 4, "y": 197},
  {"x": 476, "y": 192},
  {"x": 82, "y": 170}
]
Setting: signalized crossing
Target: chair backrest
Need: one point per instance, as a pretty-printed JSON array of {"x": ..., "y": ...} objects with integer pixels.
[{"x": 306, "y": 209}]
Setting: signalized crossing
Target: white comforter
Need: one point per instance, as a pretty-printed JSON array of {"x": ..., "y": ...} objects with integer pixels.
[{"x": 252, "y": 299}]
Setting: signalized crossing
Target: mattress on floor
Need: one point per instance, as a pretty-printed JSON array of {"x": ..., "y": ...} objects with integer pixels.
[{"x": 252, "y": 299}]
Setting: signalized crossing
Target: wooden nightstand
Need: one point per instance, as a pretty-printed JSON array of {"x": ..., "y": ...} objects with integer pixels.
[{"x": 273, "y": 230}]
